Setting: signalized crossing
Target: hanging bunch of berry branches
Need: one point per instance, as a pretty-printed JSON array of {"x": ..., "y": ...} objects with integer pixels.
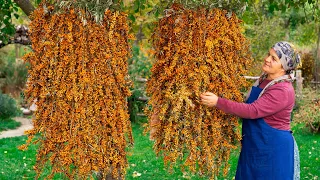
[
  {"x": 78, "y": 75},
  {"x": 196, "y": 51}
]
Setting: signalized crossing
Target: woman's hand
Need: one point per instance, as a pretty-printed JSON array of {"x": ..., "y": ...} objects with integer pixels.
[{"x": 209, "y": 99}]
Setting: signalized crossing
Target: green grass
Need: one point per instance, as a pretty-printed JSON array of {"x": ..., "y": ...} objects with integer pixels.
[
  {"x": 16, "y": 164},
  {"x": 7, "y": 124},
  {"x": 309, "y": 149},
  {"x": 143, "y": 160}
]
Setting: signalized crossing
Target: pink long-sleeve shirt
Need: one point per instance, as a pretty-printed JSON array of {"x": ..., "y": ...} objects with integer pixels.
[{"x": 274, "y": 106}]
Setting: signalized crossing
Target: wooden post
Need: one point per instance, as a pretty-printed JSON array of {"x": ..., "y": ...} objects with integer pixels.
[{"x": 299, "y": 80}]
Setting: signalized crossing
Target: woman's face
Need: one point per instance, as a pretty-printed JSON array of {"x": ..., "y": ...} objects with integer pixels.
[{"x": 272, "y": 64}]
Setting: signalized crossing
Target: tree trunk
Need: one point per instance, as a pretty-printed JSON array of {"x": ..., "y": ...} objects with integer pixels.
[
  {"x": 287, "y": 29},
  {"x": 26, "y": 6},
  {"x": 317, "y": 59}
]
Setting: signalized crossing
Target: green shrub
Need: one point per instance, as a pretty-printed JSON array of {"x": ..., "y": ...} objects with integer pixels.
[
  {"x": 8, "y": 106},
  {"x": 15, "y": 73},
  {"x": 305, "y": 34},
  {"x": 308, "y": 110},
  {"x": 140, "y": 63},
  {"x": 6, "y": 124},
  {"x": 307, "y": 67}
]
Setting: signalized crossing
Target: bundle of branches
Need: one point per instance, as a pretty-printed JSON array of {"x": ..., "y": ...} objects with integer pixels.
[
  {"x": 196, "y": 51},
  {"x": 78, "y": 75}
]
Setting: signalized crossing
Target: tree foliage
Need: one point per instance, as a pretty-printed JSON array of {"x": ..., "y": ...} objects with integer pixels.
[
  {"x": 262, "y": 37},
  {"x": 196, "y": 51},
  {"x": 78, "y": 76},
  {"x": 8, "y": 9}
]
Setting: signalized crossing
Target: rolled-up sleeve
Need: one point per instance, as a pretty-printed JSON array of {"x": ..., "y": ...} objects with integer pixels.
[{"x": 272, "y": 101}]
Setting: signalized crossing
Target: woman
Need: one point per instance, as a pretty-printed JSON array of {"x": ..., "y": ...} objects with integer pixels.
[{"x": 268, "y": 149}]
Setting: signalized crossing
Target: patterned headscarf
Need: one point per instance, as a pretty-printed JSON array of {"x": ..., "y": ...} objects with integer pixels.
[
  {"x": 289, "y": 60},
  {"x": 287, "y": 55}
]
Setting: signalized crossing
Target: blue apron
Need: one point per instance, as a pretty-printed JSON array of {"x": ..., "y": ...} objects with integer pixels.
[{"x": 267, "y": 153}]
